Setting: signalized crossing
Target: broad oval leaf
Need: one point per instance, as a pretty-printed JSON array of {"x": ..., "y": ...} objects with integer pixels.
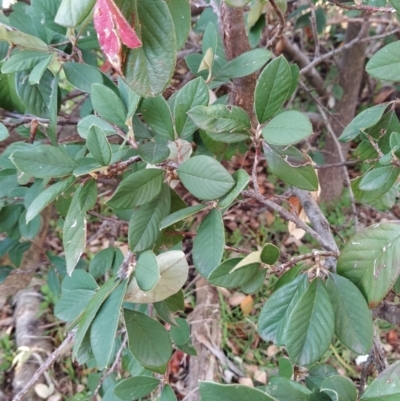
[
  {"x": 269, "y": 254},
  {"x": 135, "y": 388},
  {"x": 44, "y": 161},
  {"x": 205, "y": 178},
  {"x": 137, "y": 189},
  {"x": 72, "y": 12},
  {"x": 144, "y": 72},
  {"x": 98, "y": 145},
  {"x": 173, "y": 274},
  {"x": 208, "y": 246},
  {"x": 210, "y": 391},
  {"x": 371, "y": 260},
  {"x": 241, "y": 180},
  {"x": 87, "y": 122},
  {"x": 385, "y": 63},
  {"x": 287, "y": 128},
  {"x": 311, "y": 325},
  {"x": 339, "y": 388},
  {"x": 147, "y": 272},
  {"x": 168, "y": 394},
  {"x": 180, "y": 215},
  {"x": 364, "y": 120},
  {"x": 153, "y": 152},
  {"x": 353, "y": 320},
  {"x": 386, "y": 387},
  {"x": 149, "y": 341},
  {"x": 376, "y": 178},
  {"x": 272, "y": 88},
  {"x": 101, "y": 262},
  {"x": 88, "y": 195},
  {"x": 181, "y": 16},
  {"x": 284, "y": 389}
]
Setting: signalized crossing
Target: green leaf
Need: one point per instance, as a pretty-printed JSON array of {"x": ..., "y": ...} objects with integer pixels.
[
  {"x": 362, "y": 121},
  {"x": 147, "y": 272},
  {"x": 242, "y": 179},
  {"x": 88, "y": 195},
  {"x": 168, "y": 394},
  {"x": 137, "y": 189},
  {"x": 72, "y": 12},
  {"x": 157, "y": 114},
  {"x": 317, "y": 375},
  {"x": 36, "y": 98},
  {"x": 287, "y": 128},
  {"x": 98, "y": 145},
  {"x": 339, "y": 388},
  {"x": 222, "y": 123},
  {"x": 311, "y": 325},
  {"x": 45, "y": 12},
  {"x": 353, "y": 321},
  {"x": 272, "y": 89},
  {"x": 148, "y": 340},
  {"x": 74, "y": 233},
  {"x": 208, "y": 246},
  {"x": 135, "y": 388},
  {"x": 270, "y": 254},
  {"x": 107, "y": 104},
  {"x": 47, "y": 196},
  {"x": 31, "y": 229},
  {"x": 255, "y": 283},
  {"x": 237, "y": 3},
  {"x": 22, "y": 61},
  {"x": 371, "y": 260},
  {"x": 22, "y": 39},
  {"x": 144, "y": 72},
  {"x": 90, "y": 313},
  {"x": 285, "y": 368},
  {"x": 101, "y": 262},
  {"x": 173, "y": 274},
  {"x": 210, "y": 391},
  {"x": 195, "y": 93},
  {"x": 44, "y": 161},
  {"x": 104, "y": 326},
  {"x": 275, "y": 312},
  {"x": 176, "y": 302},
  {"x": 82, "y": 76},
  {"x": 245, "y": 64},
  {"x": 224, "y": 275},
  {"x": 181, "y": 17},
  {"x": 180, "y": 334},
  {"x": 4, "y": 272},
  {"x": 386, "y": 387},
  {"x": 130, "y": 98},
  {"x": 395, "y": 4},
  {"x": 37, "y": 73},
  {"x": 385, "y": 63},
  {"x": 77, "y": 291},
  {"x": 144, "y": 225},
  {"x": 164, "y": 313},
  {"x": 205, "y": 178},
  {"x": 283, "y": 389},
  {"x": 3, "y": 132},
  {"x": 303, "y": 176},
  {"x": 86, "y": 123},
  {"x": 180, "y": 215},
  {"x": 377, "y": 178}
]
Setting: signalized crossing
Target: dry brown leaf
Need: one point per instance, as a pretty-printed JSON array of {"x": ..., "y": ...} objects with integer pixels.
[
  {"x": 246, "y": 381},
  {"x": 236, "y": 299},
  {"x": 247, "y": 305}
]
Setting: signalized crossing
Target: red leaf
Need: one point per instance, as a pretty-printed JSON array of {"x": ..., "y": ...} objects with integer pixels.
[{"x": 112, "y": 28}]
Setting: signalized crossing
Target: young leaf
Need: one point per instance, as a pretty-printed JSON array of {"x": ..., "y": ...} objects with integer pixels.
[
  {"x": 287, "y": 128},
  {"x": 72, "y": 12},
  {"x": 108, "y": 104},
  {"x": 74, "y": 233},
  {"x": 135, "y": 388},
  {"x": 272, "y": 88},
  {"x": 245, "y": 64},
  {"x": 362, "y": 121},
  {"x": 311, "y": 325},
  {"x": 194, "y": 93},
  {"x": 205, "y": 177},
  {"x": 386, "y": 387},
  {"x": 144, "y": 225},
  {"x": 208, "y": 246},
  {"x": 137, "y": 189},
  {"x": 44, "y": 161},
  {"x": 339, "y": 388},
  {"x": 371, "y": 260},
  {"x": 104, "y": 326},
  {"x": 385, "y": 63},
  {"x": 269, "y": 254},
  {"x": 353, "y": 321},
  {"x": 242, "y": 179},
  {"x": 147, "y": 271},
  {"x": 173, "y": 274},
  {"x": 157, "y": 114},
  {"x": 210, "y": 391},
  {"x": 226, "y": 124},
  {"x": 142, "y": 68},
  {"x": 88, "y": 195},
  {"x": 47, "y": 196},
  {"x": 180, "y": 215},
  {"x": 98, "y": 145},
  {"x": 278, "y": 307},
  {"x": 149, "y": 341}
]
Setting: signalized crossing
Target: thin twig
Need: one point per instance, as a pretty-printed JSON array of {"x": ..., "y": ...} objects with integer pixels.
[
  {"x": 334, "y": 52},
  {"x": 281, "y": 24},
  {"x": 25, "y": 119},
  {"x": 291, "y": 217},
  {"x": 126, "y": 266},
  {"x": 254, "y": 170},
  {"x": 45, "y": 366},
  {"x": 370, "y": 9},
  {"x": 237, "y": 250},
  {"x": 313, "y": 22},
  {"x": 296, "y": 259}
]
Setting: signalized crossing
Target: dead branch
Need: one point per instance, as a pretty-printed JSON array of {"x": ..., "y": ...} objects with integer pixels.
[{"x": 281, "y": 24}]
